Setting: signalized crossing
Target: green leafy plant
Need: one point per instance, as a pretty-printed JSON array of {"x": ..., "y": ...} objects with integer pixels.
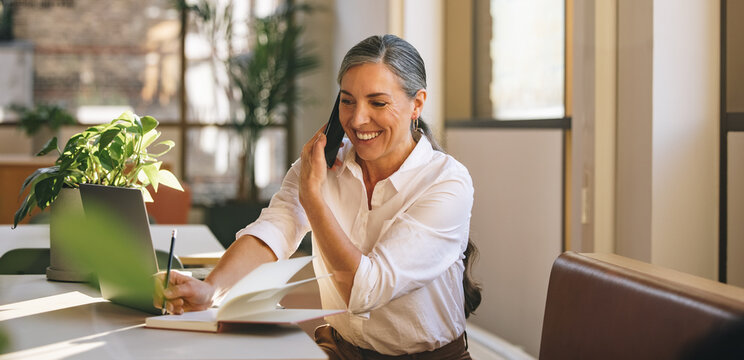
[
  {"x": 114, "y": 154},
  {"x": 31, "y": 120},
  {"x": 265, "y": 78},
  {"x": 262, "y": 80}
]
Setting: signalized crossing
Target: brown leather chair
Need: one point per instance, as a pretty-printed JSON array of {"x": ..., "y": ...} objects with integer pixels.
[
  {"x": 604, "y": 306},
  {"x": 170, "y": 206}
]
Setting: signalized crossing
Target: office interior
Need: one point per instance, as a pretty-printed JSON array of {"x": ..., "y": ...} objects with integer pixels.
[{"x": 607, "y": 126}]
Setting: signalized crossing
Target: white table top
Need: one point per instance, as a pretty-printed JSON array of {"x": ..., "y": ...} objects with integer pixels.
[
  {"x": 193, "y": 240},
  {"x": 55, "y": 320}
]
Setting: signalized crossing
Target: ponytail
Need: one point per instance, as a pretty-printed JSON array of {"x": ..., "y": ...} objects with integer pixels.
[{"x": 471, "y": 289}]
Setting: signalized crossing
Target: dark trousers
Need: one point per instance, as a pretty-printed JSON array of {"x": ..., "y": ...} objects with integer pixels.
[{"x": 339, "y": 349}]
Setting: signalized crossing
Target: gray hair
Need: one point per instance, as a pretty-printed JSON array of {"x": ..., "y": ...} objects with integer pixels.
[
  {"x": 398, "y": 55},
  {"x": 402, "y": 59}
]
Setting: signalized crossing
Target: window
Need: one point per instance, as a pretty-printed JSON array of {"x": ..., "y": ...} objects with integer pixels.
[{"x": 525, "y": 56}]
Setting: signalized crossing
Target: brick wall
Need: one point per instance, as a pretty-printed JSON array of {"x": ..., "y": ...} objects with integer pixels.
[{"x": 90, "y": 52}]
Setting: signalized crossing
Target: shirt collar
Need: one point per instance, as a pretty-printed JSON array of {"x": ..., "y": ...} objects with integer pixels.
[
  {"x": 348, "y": 155},
  {"x": 420, "y": 156}
]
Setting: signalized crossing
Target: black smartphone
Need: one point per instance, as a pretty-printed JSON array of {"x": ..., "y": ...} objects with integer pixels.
[{"x": 334, "y": 134}]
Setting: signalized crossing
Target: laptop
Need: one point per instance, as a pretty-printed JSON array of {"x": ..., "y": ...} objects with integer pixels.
[{"x": 127, "y": 278}]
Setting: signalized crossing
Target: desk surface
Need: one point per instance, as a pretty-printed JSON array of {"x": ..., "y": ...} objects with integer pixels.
[
  {"x": 54, "y": 320},
  {"x": 195, "y": 242}
]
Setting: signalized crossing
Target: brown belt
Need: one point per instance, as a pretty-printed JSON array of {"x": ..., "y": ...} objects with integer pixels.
[{"x": 457, "y": 349}]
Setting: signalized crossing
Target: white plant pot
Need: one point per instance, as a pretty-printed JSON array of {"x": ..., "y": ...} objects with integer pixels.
[{"x": 60, "y": 268}]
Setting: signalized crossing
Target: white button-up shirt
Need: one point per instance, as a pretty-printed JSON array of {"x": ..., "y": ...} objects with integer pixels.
[{"x": 407, "y": 295}]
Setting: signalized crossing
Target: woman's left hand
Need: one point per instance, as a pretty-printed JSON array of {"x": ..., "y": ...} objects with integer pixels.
[{"x": 313, "y": 169}]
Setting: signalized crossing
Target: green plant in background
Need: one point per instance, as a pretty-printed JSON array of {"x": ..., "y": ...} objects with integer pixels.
[
  {"x": 114, "y": 154},
  {"x": 31, "y": 120},
  {"x": 263, "y": 78},
  {"x": 6, "y": 20},
  {"x": 266, "y": 80}
]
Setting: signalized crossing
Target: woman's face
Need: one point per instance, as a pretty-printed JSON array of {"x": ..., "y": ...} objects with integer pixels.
[{"x": 376, "y": 114}]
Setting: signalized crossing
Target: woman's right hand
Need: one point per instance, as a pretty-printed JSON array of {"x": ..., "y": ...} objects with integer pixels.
[{"x": 184, "y": 293}]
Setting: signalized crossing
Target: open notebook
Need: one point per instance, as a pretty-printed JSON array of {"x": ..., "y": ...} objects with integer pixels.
[{"x": 253, "y": 299}]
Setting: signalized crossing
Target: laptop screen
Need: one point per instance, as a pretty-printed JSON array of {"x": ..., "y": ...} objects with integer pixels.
[{"x": 120, "y": 234}]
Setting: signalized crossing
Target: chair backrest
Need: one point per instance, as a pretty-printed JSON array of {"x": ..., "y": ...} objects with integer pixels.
[
  {"x": 24, "y": 261},
  {"x": 604, "y": 306},
  {"x": 170, "y": 206},
  {"x": 162, "y": 258}
]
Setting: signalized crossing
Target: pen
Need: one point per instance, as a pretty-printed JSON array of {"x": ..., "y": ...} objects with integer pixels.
[{"x": 170, "y": 263}]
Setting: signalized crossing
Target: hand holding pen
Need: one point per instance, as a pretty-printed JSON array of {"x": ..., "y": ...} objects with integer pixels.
[{"x": 170, "y": 264}]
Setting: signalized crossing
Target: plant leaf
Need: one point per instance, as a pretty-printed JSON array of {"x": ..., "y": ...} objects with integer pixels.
[
  {"x": 148, "y": 123},
  {"x": 127, "y": 116},
  {"x": 142, "y": 178},
  {"x": 149, "y": 138},
  {"x": 107, "y": 136},
  {"x": 38, "y": 175},
  {"x": 94, "y": 129},
  {"x": 146, "y": 195},
  {"x": 48, "y": 147},
  {"x": 129, "y": 149},
  {"x": 46, "y": 191},
  {"x": 169, "y": 143},
  {"x": 106, "y": 161},
  {"x": 24, "y": 209},
  {"x": 133, "y": 129},
  {"x": 116, "y": 150},
  {"x": 151, "y": 170},
  {"x": 168, "y": 179},
  {"x": 138, "y": 123}
]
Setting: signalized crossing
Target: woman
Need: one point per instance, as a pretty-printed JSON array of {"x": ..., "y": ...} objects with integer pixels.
[{"x": 390, "y": 220}]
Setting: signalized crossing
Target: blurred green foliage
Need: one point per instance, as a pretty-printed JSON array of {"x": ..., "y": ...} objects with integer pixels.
[
  {"x": 99, "y": 241},
  {"x": 263, "y": 79},
  {"x": 4, "y": 341},
  {"x": 31, "y": 120}
]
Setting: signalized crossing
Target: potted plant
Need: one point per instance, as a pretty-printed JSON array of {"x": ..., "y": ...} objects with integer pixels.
[
  {"x": 262, "y": 80},
  {"x": 265, "y": 78},
  {"x": 42, "y": 122},
  {"x": 263, "y": 89},
  {"x": 114, "y": 154}
]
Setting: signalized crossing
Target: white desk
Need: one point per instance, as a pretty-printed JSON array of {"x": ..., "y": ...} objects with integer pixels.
[
  {"x": 196, "y": 245},
  {"x": 54, "y": 320}
]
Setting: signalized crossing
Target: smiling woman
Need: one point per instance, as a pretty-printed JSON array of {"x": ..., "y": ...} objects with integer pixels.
[
  {"x": 376, "y": 115},
  {"x": 390, "y": 220}
]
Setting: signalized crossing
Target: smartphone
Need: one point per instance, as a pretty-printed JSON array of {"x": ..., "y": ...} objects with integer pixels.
[{"x": 334, "y": 134}]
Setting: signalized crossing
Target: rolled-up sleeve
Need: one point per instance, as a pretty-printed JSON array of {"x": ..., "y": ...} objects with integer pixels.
[
  {"x": 283, "y": 224},
  {"x": 422, "y": 242}
]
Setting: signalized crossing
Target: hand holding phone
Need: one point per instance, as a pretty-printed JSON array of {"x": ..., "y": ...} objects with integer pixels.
[{"x": 334, "y": 134}]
